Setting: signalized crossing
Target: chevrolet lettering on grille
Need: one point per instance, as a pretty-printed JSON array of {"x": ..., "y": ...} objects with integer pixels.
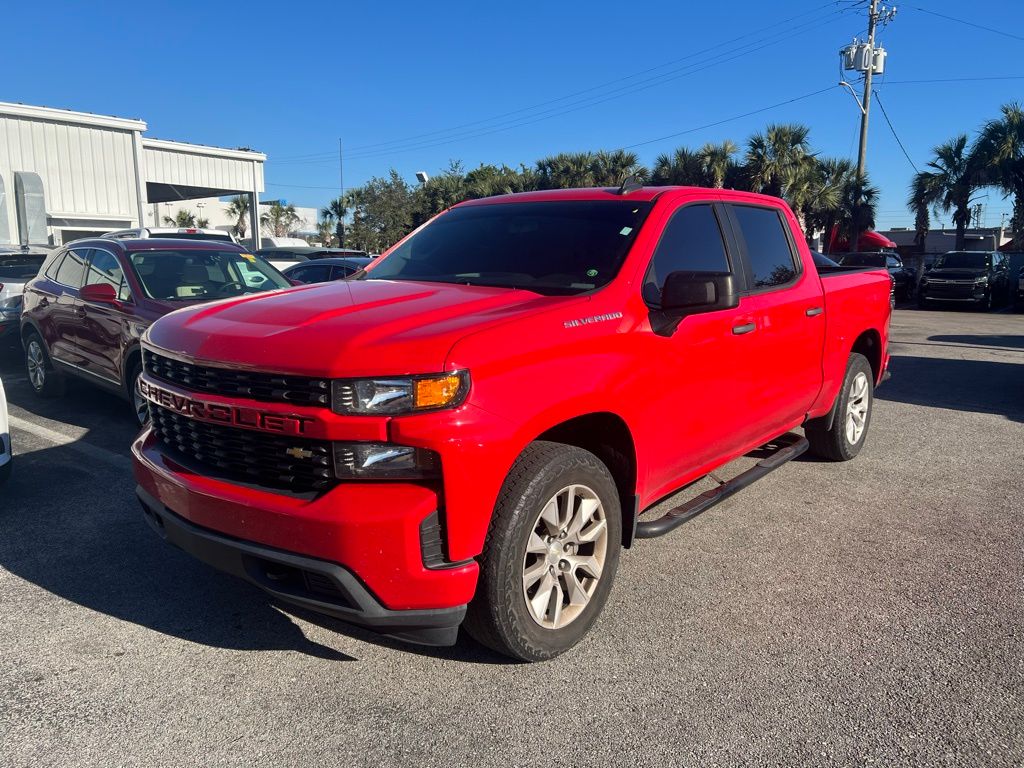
[{"x": 250, "y": 418}]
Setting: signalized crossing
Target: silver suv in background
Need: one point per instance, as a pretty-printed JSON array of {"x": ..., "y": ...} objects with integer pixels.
[
  {"x": 17, "y": 267},
  {"x": 178, "y": 233}
]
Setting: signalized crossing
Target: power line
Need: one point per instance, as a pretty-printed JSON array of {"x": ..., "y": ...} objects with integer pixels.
[
  {"x": 955, "y": 79},
  {"x": 894, "y": 134},
  {"x": 576, "y": 106},
  {"x": 524, "y": 119},
  {"x": 730, "y": 119},
  {"x": 970, "y": 24},
  {"x": 660, "y": 138}
]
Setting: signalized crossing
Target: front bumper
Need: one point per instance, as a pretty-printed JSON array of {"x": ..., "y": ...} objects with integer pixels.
[
  {"x": 953, "y": 291},
  {"x": 306, "y": 582},
  {"x": 357, "y": 551}
]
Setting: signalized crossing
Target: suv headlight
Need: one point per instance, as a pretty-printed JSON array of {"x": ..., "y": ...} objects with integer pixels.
[
  {"x": 981, "y": 280},
  {"x": 399, "y": 394}
]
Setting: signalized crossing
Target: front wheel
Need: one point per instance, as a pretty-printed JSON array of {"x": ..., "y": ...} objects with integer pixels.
[
  {"x": 551, "y": 554},
  {"x": 846, "y": 436},
  {"x": 140, "y": 405}
]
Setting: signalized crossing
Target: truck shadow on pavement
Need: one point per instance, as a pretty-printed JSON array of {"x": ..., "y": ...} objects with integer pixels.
[
  {"x": 1014, "y": 341},
  {"x": 72, "y": 526},
  {"x": 981, "y": 386}
]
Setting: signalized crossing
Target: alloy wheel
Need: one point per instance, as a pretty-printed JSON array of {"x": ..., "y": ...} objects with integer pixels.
[
  {"x": 141, "y": 403},
  {"x": 857, "y": 408},
  {"x": 36, "y": 363},
  {"x": 565, "y": 556}
]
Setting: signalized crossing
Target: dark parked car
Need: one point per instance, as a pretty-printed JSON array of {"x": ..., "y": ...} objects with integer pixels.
[
  {"x": 325, "y": 270},
  {"x": 86, "y": 310},
  {"x": 286, "y": 256},
  {"x": 903, "y": 277},
  {"x": 981, "y": 278}
]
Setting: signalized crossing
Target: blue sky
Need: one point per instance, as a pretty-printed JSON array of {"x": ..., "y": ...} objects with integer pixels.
[{"x": 482, "y": 82}]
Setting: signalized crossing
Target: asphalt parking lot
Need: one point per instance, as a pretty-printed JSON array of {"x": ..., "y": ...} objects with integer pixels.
[{"x": 832, "y": 614}]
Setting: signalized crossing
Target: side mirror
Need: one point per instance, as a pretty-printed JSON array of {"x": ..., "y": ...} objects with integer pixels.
[
  {"x": 693, "y": 293},
  {"x": 293, "y": 281},
  {"x": 99, "y": 293}
]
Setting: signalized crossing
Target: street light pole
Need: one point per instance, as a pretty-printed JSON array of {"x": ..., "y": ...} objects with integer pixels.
[{"x": 866, "y": 100}]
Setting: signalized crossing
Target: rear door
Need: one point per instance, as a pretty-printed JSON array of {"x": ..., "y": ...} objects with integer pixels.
[
  {"x": 101, "y": 338},
  {"x": 61, "y": 307},
  {"x": 787, "y": 309}
]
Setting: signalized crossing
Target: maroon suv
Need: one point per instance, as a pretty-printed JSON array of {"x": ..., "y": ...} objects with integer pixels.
[{"x": 86, "y": 310}]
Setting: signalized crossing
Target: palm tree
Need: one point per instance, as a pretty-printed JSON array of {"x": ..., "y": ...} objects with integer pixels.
[
  {"x": 566, "y": 170},
  {"x": 202, "y": 222},
  {"x": 335, "y": 212},
  {"x": 1001, "y": 151},
  {"x": 948, "y": 186},
  {"x": 610, "y": 169},
  {"x": 820, "y": 193},
  {"x": 857, "y": 209},
  {"x": 778, "y": 157},
  {"x": 183, "y": 218},
  {"x": 238, "y": 209},
  {"x": 280, "y": 220},
  {"x": 919, "y": 205},
  {"x": 684, "y": 167},
  {"x": 717, "y": 161}
]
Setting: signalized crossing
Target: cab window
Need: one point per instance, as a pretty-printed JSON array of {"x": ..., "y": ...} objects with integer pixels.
[
  {"x": 105, "y": 268},
  {"x": 72, "y": 269},
  {"x": 770, "y": 257}
]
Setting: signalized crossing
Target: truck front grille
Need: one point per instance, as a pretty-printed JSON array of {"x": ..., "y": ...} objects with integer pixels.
[
  {"x": 284, "y": 463},
  {"x": 269, "y": 387}
]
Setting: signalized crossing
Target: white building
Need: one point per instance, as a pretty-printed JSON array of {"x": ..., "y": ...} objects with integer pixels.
[{"x": 65, "y": 175}]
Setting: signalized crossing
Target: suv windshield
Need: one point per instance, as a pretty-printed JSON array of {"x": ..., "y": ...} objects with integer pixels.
[
  {"x": 558, "y": 247},
  {"x": 863, "y": 260},
  {"x": 20, "y": 266},
  {"x": 962, "y": 260},
  {"x": 188, "y": 275}
]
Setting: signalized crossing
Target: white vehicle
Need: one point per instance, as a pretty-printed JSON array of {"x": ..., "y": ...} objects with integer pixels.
[
  {"x": 270, "y": 241},
  {"x": 17, "y": 267},
  {"x": 180, "y": 233},
  {"x": 5, "y": 438}
]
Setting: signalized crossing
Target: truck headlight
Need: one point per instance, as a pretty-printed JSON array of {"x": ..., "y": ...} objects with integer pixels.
[
  {"x": 384, "y": 461},
  {"x": 399, "y": 394}
]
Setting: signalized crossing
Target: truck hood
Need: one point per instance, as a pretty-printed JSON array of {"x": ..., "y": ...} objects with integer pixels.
[{"x": 344, "y": 328}]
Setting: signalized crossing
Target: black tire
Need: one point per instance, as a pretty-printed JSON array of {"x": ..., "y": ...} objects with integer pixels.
[
  {"x": 49, "y": 383},
  {"x": 922, "y": 302},
  {"x": 132, "y": 383},
  {"x": 499, "y": 616},
  {"x": 985, "y": 305},
  {"x": 5, "y": 471},
  {"x": 833, "y": 443}
]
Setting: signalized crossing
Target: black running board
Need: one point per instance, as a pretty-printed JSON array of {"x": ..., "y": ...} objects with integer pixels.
[{"x": 783, "y": 449}]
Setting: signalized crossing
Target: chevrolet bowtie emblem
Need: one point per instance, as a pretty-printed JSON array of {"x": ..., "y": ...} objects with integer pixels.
[{"x": 299, "y": 453}]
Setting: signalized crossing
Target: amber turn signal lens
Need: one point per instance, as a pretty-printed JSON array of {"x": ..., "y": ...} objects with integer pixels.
[{"x": 436, "y": 392}]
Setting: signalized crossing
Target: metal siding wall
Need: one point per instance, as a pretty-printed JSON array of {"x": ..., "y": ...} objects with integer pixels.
[
  {"x": 190, "y": 169},
  {"x": 85, "y": 170}
]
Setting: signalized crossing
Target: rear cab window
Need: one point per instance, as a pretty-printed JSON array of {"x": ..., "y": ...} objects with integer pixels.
[{"x": 764, "y": 235}]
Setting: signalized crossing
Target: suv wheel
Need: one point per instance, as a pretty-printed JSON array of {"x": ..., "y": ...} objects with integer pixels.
[
  {"x": 845, "y": 438},
  {"x": 45, "y": 381},
  {"x": 140, "y": 405},
  {"x": 551, "y": 554}
]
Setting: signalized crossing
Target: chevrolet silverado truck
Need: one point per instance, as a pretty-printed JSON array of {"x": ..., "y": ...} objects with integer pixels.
[{"x": 470, "y": 431}]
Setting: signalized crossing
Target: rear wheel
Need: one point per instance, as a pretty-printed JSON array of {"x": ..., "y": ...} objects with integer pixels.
[
  {"x": 845, "y": 438},
  {"x": 42, "y": 376},
  {"x": 551, "y": 554}
]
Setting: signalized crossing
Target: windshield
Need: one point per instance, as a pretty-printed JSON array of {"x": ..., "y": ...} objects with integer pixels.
[
  {"x": 559, "y": 247},
  {"x": 863, "y": 260},
  {"x": 962, "y": 260},
  {"x": 218, "y": 238},
  {"x": 188, "y": 275},
  {"x": 20, "y": 266}
]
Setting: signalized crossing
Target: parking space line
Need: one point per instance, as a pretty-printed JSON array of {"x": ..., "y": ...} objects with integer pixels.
[{"x": 51, "y": 435}]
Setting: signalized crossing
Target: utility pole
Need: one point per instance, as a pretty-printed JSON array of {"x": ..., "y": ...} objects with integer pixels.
[
  {"x": 341, "y": 198},
  {"x": 866, "y": 99}
]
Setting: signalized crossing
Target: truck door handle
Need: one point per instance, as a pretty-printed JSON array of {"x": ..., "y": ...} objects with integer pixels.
[
  {"x": 739, "y": 330},
  {"x": 814, "y": 311}
]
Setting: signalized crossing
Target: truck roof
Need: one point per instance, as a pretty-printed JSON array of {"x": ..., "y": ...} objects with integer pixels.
[{"x": 644, "y": 194}]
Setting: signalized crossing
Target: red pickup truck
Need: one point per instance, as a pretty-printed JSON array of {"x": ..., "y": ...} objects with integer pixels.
[{"x": 470, "y": 430}]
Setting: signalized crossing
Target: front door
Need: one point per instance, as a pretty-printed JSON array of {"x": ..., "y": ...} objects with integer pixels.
[
  {"x": 693, "y": 398},
  {"x": 100, "y": 337}
]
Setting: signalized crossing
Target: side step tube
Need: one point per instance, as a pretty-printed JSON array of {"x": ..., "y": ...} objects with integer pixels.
[{"x": 783, "y": 449}]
